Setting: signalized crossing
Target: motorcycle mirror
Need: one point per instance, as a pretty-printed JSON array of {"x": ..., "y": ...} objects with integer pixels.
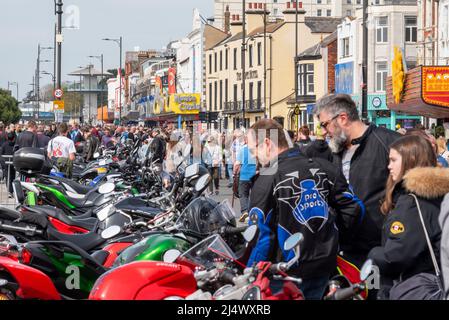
[
  {"x": 96, "y": 155},
  {"x": 110, "y": 232},
  {"x": 171, "y": 255},
  {"x": 293, "y": 241},
  {"x": 187, "y": 150},
  {"x": 250, "y": 233},
  {"x": 192, "y": 170},
  {"x": 366, "y": 270},
  {"x": 103, "y": 213},
  {"x": 106, "y": 188},
  {"x": 202, "y": 183}
]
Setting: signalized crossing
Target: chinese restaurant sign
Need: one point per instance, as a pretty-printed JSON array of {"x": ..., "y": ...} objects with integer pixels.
[{"x": 435, "y": 85}]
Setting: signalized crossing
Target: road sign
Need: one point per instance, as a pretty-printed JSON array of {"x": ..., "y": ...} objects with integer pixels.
[
  {"x": 58, "y": 106},
  {"x": 58, "y": 93},
  {"x": 297, "y": 111}
]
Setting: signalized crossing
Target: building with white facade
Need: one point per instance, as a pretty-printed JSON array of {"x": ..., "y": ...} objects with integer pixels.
[
  {"x": 443, "y": 34},
  {"x": 390, "y": 24},
  {"x": 189, "y": 55}
]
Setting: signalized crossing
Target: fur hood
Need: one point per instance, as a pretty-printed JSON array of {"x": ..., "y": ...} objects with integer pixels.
[{"x": 429, "y": 183}]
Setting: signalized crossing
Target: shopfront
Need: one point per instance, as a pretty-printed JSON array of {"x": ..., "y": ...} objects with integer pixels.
[{"x": 425, "y": 93}]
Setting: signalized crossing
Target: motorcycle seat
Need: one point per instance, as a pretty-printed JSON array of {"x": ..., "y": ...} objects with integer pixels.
[
  {"x": 86, "y": 241},
  {"x": 85, "y": 221},
  {"x": 12, "y": 215},
  {"x": 71, "y": 185},
  {"x": 133, "y": 204}
]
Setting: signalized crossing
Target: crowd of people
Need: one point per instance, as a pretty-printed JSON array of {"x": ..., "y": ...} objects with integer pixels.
[{"x": 354, "y": 190}]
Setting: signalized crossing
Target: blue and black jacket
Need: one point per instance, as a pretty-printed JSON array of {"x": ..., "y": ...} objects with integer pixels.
[{"x": 311, "y": 196}]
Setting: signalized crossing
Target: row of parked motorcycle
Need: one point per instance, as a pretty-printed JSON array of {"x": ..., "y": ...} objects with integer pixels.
[{"x": 116, "y": 232}]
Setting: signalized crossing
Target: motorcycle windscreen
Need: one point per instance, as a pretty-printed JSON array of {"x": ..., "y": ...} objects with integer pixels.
[
  {"x": 208, "y": 253},
  {"x": 205, "y": 217}
]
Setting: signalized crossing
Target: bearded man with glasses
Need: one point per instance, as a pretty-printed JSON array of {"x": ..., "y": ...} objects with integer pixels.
[{"x": 361, "y": 152}]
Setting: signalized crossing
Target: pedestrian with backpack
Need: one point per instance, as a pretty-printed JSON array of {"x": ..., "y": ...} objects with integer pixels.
[{"x": 61, "y": 150}]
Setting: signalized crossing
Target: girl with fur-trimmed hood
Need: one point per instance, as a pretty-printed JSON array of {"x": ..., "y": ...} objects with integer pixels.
[{"x": 404, "y": 251}]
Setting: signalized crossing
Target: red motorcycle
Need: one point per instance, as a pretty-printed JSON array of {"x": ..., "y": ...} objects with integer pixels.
[{"x": 208, "y": 271}]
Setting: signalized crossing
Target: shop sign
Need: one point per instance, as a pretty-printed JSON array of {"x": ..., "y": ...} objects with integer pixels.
[
  {"x": 185, "y": 103},
  {"x": 248, "y": 75},
  {"x": 435, "y": 85},
  {"x": 344, "y": 78}
]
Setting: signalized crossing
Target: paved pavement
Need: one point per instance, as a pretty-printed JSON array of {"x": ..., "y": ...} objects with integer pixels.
[{"x": 226, "y": 193}]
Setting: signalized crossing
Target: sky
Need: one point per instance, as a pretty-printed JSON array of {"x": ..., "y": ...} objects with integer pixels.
[{"x": 147, "y": 24}]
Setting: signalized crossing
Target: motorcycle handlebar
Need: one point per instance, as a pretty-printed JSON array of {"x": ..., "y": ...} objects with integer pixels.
[
  {"x": 233, "y": 230},
  {"x": 278, "y": 267},
  {"x": 227, "y": 277},
  {"x": 342, "y": 294}
]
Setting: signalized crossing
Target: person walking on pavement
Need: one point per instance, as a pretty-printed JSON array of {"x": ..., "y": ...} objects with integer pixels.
[
  {"x": 362, "y": 153},
  {"x": 212, "y": 157},
  {"x": 62, "y": 151},
  {"x": 42, "y": 138},
  {"x": 27, "y": 138},
  {"x": 245, "y": 168},
  {"x": 7, "y": 149}
]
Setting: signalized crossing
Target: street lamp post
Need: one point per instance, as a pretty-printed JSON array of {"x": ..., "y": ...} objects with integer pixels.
[
  {"x": 38, "y": 73},
  {"x": 17, "y": 88},
  {"x": 79, "y": 109},
  {"x": 243, "y": 61},
  {"x": 120, "y": 43},
  {"x": 102, "y": 79},
  {"x": 59, "y": 11}
]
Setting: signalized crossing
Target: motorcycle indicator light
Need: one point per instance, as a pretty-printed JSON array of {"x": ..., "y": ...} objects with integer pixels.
[{"x": 25, "y": 256}]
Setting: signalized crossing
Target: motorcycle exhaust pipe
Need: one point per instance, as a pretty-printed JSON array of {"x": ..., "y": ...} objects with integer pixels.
[{"x": 28, "y": 230}]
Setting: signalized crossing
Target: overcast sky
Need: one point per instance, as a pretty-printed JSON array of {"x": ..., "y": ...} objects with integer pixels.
[{"x": 148, "y": 24}]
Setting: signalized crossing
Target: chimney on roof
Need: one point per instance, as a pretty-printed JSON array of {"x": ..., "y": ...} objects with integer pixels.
[
  {"x": 236, "y": 24},
  {"x": 227, "y": 20},
  {"x": 254, "y": 12},
  {"x": 290, "y": 12}
]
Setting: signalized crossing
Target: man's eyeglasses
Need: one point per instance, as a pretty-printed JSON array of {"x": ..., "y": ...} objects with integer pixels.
[{"x": 326, "y": 123}]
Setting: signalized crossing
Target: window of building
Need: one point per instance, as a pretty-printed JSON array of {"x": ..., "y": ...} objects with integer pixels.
[
  {"x": 215, "y": 62},
  {"x": 215, "y": 96},
  {"x": 251, "y": 95},
  {"x": 259, "y": 53},
  {"x": 381, "y": 76},
  {"x": 348, "y": 13},
  {"x": 235, "y": 95},
  {"x": 275, "y": 12},
  {"x": 259, "y": 94},
  {"x": 250, "y": 55},
  {"x": 345, "y": 47},
  {"x": 359, "y": 1},
  {"x": 318, "y": 13},
  {"x": 210, "y": 63},
  {"x": 318, "y": 1},
  {"x": 328, "y": 12},
  {"x": 376, "y": 1},
  {"x": 221, "y": 94},
  {"x": 411, "y": 64},
  {"x": 382, "y": 29},
  {"x": 226, "y": 92},
  {"x": 226, "y": 59},
  {"x": 349, "y": 1},
  {"x": 221, "y": 60},
  {"x": 411, "y": 29},
  {"x": 210, "y": 96},
  {"x": 305, "y": 79},
  {"x": 235, "y": 58}
]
